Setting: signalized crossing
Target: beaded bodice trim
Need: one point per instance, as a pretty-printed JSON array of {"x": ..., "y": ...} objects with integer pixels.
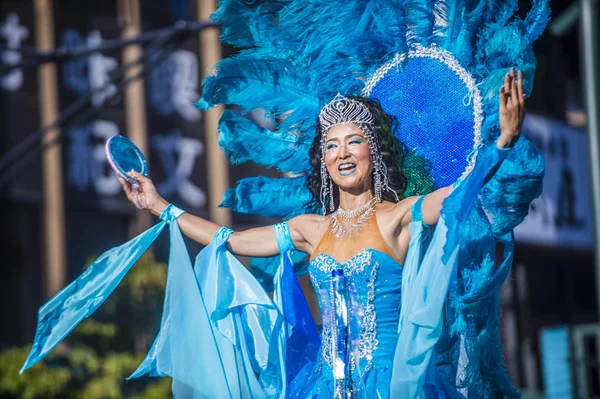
[
  {"x": 354, "y": 265},
  {"x": 367, "y": 338}
]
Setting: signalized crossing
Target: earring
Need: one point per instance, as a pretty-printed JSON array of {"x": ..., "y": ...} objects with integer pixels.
[
  {"x": 331, "y": 202},
  {"x": 324, "y": 188},
  {"x": 378, "y": 184}
]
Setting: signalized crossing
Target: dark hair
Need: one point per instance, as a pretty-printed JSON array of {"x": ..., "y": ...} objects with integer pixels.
[{"x": 390, "y": 148}]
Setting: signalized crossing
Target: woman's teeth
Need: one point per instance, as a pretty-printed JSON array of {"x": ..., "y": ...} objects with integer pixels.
[{"x": 346, "y": 169}]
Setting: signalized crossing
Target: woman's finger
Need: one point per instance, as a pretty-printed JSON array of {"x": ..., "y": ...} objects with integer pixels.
[
  {"x": 520, "y": 93},
  {"x": 124, "y": 183},
  {"x": 126, "y": 187},
  {"x": 513, "y": 89},
  {"x": 502, "y": 99},
  {"x": 138, "y": 176},
  {"x": 142, "y": 200}
]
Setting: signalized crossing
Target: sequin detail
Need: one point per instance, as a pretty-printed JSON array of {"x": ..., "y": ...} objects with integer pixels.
[
  {"x": 367, "y": 342},
  {"x": 437, "y": 53},
  {"x": 326, "y": 345},
  {"x": 354, "y": 265}
]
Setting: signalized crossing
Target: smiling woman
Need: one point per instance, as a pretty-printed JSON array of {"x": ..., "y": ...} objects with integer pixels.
[
  {"x": 401, "y": 317},
  {"x": 388, "y": 163}
]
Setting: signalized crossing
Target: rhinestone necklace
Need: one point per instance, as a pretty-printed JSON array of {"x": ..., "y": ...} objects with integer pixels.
[{"x": 363, "y": 213}]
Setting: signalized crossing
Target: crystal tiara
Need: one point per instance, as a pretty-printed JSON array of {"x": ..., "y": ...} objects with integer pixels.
[{"x": 343, "y": 110}]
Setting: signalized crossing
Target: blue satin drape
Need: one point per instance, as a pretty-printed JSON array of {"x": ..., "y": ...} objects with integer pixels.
[
  {"x": 63, "y": 312},
  {"x": 221, "y": 334},
  {"x": 426, "y": 279}
]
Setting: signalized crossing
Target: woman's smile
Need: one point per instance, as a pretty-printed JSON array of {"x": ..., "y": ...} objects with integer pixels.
[{"x": 346, "y": 168}]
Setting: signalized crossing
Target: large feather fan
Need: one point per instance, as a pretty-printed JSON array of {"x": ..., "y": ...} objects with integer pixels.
[{"x": 295, "y": 55}]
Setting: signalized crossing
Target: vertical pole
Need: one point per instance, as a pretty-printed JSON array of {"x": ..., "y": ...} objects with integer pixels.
[
  {"x": 218, "y": 178},
  {"x": 135, "y": 107},
  {"x": 589, "y": 72},
  {"x": 54, "y": 268}
]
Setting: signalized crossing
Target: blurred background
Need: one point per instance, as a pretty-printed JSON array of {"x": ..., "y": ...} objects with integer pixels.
[{"x": 74, "y": 73}]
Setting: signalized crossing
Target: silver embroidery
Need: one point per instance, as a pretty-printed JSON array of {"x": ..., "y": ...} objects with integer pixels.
[
  {"x": 354, "y": 265},
  {"x": 367, "y": 342},
  {"x": 326, "y": 345}
]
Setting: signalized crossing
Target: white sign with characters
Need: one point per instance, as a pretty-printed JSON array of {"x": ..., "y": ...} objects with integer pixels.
[
  {"x": 561, "y": 216},
  {"x": 87, "y": 159},
  {"x": 178, "y": 156},
  {"x": 88, "y": 167},
  {"x": 13, "y": 34},
  {"x": 91, "y": 73},
  {"x": 174, "y": 86}
]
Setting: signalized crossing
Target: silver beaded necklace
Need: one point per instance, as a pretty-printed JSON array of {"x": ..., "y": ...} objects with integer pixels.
[{"x": 363, "y": 213}]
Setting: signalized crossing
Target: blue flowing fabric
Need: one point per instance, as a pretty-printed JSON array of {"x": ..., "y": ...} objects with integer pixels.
[
  {"x": 214, "y": 313},
  {"x": 221, "y": 316},
  {"x": 78, "y": 300},
  {"x": 426, "y": 279},
  {"x": 192, "y": 335},
  {"x": 302, "y": 337}
]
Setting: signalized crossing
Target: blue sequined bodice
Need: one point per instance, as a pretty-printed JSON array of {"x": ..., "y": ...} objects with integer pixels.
[{"x": 376, "y": 279}]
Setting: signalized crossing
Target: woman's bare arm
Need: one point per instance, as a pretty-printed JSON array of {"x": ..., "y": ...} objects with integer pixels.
[
  {"x": 430, "y": 208},
  {"x": 259, "y": 241}
]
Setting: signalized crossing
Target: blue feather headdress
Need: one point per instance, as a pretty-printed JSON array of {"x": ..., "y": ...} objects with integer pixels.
[{"x": 294, "y": 56}]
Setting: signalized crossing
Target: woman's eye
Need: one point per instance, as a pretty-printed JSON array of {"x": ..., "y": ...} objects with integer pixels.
[
  {"x": 330, "y": 146},
  {"x": 356, "y": 141}
]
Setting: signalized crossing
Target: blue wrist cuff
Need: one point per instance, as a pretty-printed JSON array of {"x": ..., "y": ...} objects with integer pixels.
[
  {"x": 171, "y": 213},
  {"x": 223, "y": 233}
]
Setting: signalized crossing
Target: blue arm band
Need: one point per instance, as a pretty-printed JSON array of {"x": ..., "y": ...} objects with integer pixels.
[{"x": 283, "y": 237}]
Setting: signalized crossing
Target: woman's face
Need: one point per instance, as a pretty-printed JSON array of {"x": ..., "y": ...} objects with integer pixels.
[{"x": 348, "y": 157}]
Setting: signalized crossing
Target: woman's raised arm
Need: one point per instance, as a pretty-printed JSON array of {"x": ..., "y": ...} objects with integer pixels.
[{"x": 258, "y": 241}]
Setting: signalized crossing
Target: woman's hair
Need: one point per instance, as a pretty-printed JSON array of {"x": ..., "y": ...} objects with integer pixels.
[{"x": 390, "y": 148}]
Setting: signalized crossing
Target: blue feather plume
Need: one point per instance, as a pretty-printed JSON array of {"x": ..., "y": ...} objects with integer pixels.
[
  {"x": 420, "y": 21},
  {"x": 275, "y": 197},
  {"x": 243, "y": 140},
  {"x": 448, "y": 22},
  {"x": 537, "y": 19},
  {"x": 253, "y": 82}
]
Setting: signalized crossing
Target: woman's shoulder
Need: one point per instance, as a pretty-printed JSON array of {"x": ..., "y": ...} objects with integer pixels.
[
  {"x": 393, "y": 214},
  {"x": 310, "y": 227},
  {"x": 309, "y": 218},
  {"x": 397, "y": 208},
  {"x": 311, "y": 223}
]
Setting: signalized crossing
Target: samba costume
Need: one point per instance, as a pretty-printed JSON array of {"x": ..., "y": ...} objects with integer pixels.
[{"x": 427, "y": 329}]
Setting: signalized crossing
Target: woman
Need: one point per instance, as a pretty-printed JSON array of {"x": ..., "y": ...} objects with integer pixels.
[{"x": 364, "y": 236}]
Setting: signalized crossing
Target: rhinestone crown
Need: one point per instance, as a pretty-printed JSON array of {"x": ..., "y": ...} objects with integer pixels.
[{"x": 343, "y": 110}]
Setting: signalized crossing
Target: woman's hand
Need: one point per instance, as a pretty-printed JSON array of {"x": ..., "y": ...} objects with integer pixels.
[
  {"x": 147, "y": 196},
  {"x": 512, "y": 109}
]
